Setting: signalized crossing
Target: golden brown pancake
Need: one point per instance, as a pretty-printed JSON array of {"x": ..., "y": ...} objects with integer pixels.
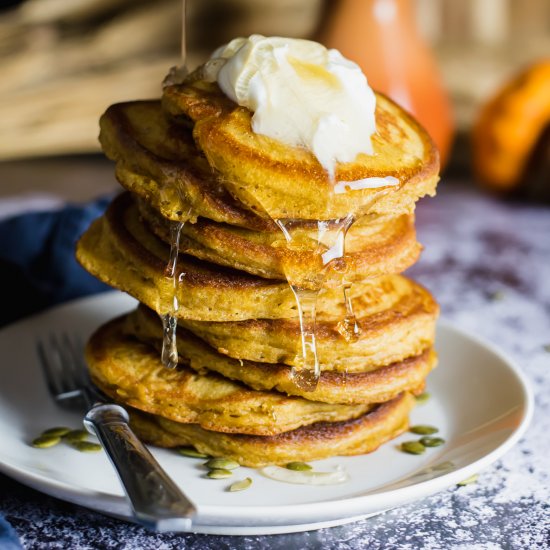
[
  {"x": 372, "y": 248},
  {"x": 362, "y": 435},
  {"x": 405, "y": 328},
  {"x": 158, "y": 160},
  {"x": 279, "y": 181},
  {"x": 122, "y": 253},
  {"x": 194, "y": 158},
  {"x": 132, "y": 373},
  {"x": 375, "y": 386},
  {"x": 133, "y": 133}
]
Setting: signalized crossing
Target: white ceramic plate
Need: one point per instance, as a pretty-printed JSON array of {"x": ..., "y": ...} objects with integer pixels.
[{"x": 480, "y": 401}]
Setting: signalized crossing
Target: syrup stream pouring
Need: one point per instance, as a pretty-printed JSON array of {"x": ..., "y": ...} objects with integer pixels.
[{"x": 169, "y": 354}]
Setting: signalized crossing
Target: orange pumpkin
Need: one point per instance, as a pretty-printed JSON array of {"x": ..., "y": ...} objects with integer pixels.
[{"x": 507, "y": 137}]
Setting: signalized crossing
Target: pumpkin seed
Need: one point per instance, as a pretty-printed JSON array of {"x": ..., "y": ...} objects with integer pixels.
[
  {"x": 86, "y": 446},
  {"x": 221, "y": 464},
  {"x": 423, "y": 397},
  {"x": 468, "y": 480},
  {"x": 413, "y": 447},
  {"x": 497, "y": 296},
  {"x": 219, "y": 473},
  {"x": 75, "y": 435},
  {"x": 240, "y": 485},
  {"x": 59, "y": 431},
  {"x": 45, "y": 441},
  {"x": 423, "y": 429},
  {"x": 432, "y": 441},
  {"x": 191, "y": 452},
  {"x": 298, "y": 467}
]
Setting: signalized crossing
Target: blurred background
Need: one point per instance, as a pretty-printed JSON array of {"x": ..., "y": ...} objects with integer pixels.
[{"x": 63, "y": 62}]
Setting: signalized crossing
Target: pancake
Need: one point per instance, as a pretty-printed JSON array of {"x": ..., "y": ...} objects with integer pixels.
[
  {"x": 158, "y": 160},
  {"x": 122, "y": 253},
  {"x": 280, "y": 182},
  {"x": 372, "y": 249},
  {"x": 403, "y": 327},
  {"x": 376, "y": 386},
  {"x": 362, "y": 435},
  {"x": 132, "y": 373},
  {"x": 200, "y": 237}
]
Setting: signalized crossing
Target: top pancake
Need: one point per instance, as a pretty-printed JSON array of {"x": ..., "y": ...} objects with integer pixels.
[
  {"x": 158, "y": 160},
  {"x": 280, "y": 181}
]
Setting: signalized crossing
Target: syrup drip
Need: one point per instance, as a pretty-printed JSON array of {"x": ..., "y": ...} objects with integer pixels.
[
  {"x": 178, "y": 74},
  {"x": 184, "y": 31},
  {"x": 349, "y": 327},
  {"x": 307, "y": 376},
  {"x": 169, "y": 355},
  {"x": 330, "y": 240}
]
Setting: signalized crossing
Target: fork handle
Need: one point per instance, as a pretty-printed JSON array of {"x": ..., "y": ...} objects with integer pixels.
[{"x": 155, "y": 499}]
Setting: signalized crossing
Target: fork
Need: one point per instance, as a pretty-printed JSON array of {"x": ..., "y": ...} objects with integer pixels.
[{"x": 156, "y": 501}]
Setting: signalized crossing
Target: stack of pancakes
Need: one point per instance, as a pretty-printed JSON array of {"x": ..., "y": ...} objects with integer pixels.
[{"x": 199, "y": 181}]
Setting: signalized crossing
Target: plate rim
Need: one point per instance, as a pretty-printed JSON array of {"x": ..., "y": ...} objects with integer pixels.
[{"x": 299, "y": 512}]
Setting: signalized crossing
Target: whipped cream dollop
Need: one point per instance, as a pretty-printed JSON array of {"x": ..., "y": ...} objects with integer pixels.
[{"x": 300, "y": 93}]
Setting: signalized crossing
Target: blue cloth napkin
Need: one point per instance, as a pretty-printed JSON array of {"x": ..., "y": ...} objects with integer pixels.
[
  {"x": 37, "y": 264},
  {"x": 38, "y": 269},
  {"x": 8, "y": 537}
]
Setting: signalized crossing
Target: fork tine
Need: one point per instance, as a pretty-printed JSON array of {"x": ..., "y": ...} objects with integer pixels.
[
  {"x": 61, "y": 369},
  {"x": 48, "y": 369},
  {"x": 64, "y": 362},
  {"x": 71, "y": 364},
  {"x": 74, "y": 358},
  {"x": 80, "y": 353}
]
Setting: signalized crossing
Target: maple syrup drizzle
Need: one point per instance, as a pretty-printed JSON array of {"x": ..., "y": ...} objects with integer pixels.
[
  {"x": 169, "y": 354},
  {"x": 329, "y": 246},
  {"x": 349, "y": 327},
  {"x": 307, "y": 376}
]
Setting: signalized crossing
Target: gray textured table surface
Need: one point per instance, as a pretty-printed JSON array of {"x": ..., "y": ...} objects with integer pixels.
[{"x": 488, "y": 264}]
